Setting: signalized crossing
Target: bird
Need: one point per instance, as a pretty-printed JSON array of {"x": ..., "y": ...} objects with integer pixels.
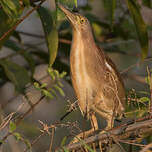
[{"x": 96, "y": 81}]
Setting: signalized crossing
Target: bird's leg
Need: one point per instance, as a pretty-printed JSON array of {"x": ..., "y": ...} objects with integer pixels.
[
  {"x": 108, "y": 116},
  {"x": 110, "y": 122},
  {"x": 94, "y": 125},
  {"x": 94, "y": 122}
]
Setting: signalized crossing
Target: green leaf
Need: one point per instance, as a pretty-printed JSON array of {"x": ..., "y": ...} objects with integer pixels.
[
  {"x": 5, "y": 24},
  {"x": 43, "y": 85},
  {"x": 12, "y": 126},
  {"x": 141, "y": 27},
  {"x": 51, "y": 73},
  {"x": 144, "y": 99},
  {"x": 11, "y": 7},
  {"x": 37, "y": 85},
  {"x": 59, "y": 84},
  {"x": 59, "y": 89},
  {"x": 63, "y": 74},
  {"x": 47, "y": 93},
  {"x": 96, "y": 29},
  {"x": 56, "y": 73},
  {"x": 63, "y": 141},
  {"x": 51, "y": 34},
  {"x": 16, "y": 73},
  {"x": 110, "y": 6},
  {"x": 53, "y": 92},
  {"x": 17, "y": 136},
  {"x": 76, "y": 3},
  {"x": 28, "y": 144}
]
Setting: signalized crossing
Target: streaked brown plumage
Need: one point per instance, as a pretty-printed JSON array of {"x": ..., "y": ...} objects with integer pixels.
[{"x": 95, "y": 79}]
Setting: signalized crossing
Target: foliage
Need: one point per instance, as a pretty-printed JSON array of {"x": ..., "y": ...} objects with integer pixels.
[{"x": 56, "y": 84}]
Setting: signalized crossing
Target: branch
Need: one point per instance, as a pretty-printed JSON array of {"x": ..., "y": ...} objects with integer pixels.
[
  {"x": 22, "y": 19},
  {"x": 119, "y": 133},
  {"x": 137, "y": 78},
  {"x": 62, "y": 40}
]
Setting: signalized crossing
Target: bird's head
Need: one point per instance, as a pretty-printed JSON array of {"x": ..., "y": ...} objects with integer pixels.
[{"x": 78, "y": 22}]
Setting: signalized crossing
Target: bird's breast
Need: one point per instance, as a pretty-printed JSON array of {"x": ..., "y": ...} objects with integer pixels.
[{"x": 80, "y": 78}]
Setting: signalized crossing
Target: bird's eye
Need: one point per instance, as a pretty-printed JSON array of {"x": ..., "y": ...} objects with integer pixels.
[{"x": 82, "y": 20}]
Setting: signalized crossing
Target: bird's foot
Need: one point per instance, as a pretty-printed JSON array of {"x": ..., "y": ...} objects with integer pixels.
[
  {"x": 105, "y": 130},
  {"x": 82, "y": 136},
  {"x": 106, "y": 141}
]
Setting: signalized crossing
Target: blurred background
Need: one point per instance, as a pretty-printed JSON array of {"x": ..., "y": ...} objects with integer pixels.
[{"x": 28, "y": 50}]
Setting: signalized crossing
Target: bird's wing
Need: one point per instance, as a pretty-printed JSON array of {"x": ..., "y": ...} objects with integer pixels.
[{"x": 112, "y": 85}]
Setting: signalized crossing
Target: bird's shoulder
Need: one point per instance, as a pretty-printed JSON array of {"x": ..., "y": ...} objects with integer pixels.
[{"x": 110, "y": 69}]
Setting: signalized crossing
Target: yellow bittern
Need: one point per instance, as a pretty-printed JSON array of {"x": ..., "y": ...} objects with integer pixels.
[{"x": 96, "y": 81}]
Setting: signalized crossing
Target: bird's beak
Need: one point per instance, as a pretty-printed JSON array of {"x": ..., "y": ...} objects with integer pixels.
[{"x": 69, "y": 14}]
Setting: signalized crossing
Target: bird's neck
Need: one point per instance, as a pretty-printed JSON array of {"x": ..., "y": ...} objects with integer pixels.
[{"x": 81, "y": 40}]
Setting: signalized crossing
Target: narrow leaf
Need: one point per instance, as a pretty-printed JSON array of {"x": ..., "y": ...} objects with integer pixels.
[
  {"x": 141, "y": 27},
  {"x": 16, "y": 73},
  {"x": 47, "y": 93},
  {"x": 12, "y": 126},
  {"x": 28, "y": 144},
  {"x": 59, "y": 90},
  {"x": 53, "y": 92},
  {"x": 144, "y": 99},
  {"x": 76, "y": 3},
  {"x": 17, "y": 136},
  {"x": 50, "y": 31},
  {"x": 11, "y": 7},
  {"x": 63, "y": 141},
  {"x": 110, "y": 6}
]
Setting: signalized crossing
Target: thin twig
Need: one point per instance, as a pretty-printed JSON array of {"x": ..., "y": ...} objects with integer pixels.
[
  {"x": 133, "y": 65},
  {"x": 135, "y": 77},
  {"x": 52, "y": 137},
  {"x": 147, "y": 148},
  {"x": 30, "y": 109},
  {"x": 34, "y": 141},
  {"x": 62, "y": 40},
  {"x": 8, "y": 118},
  {"x": 131, "y": 143},
  {"x": 6, "y": 121}
]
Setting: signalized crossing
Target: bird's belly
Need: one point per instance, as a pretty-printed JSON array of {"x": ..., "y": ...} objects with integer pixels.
[{"x": 81, "y": 83}]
